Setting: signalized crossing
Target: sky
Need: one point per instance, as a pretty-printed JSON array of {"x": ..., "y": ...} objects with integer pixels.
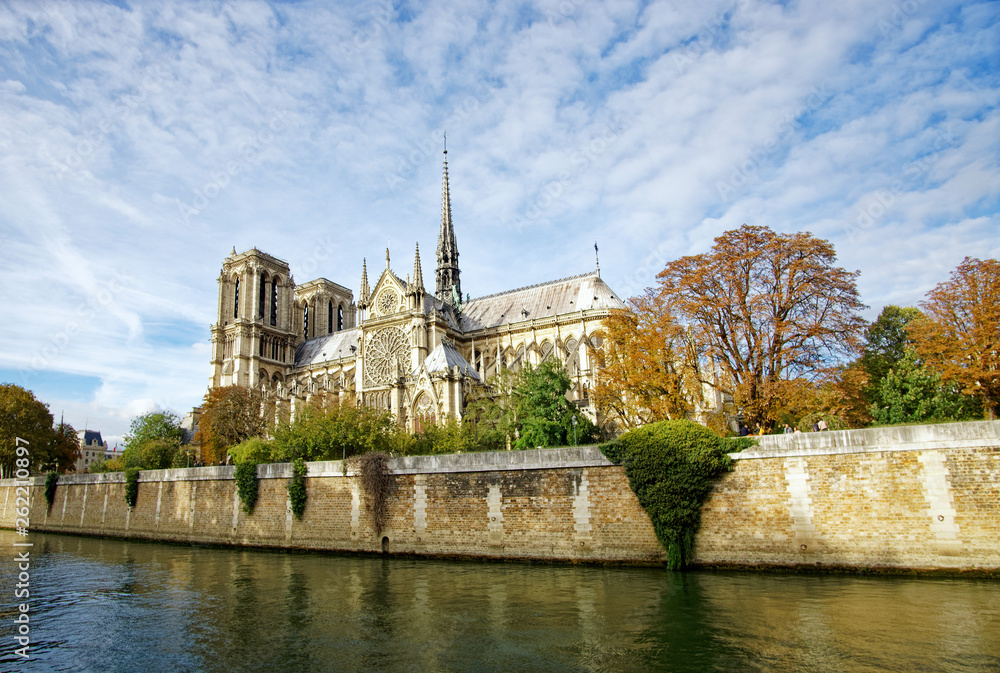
[{"x": 141, "y": 142}]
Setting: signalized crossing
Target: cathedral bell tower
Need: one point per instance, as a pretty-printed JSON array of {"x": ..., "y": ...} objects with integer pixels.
[
  {"x": 449, "y": 286},
  {"x": 253, "y": 340}
]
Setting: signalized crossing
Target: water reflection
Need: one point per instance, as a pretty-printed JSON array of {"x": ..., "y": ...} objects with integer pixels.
[{"x": 106, "y": 605}]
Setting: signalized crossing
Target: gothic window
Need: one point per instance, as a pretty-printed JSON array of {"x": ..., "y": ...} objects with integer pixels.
[
  {"x": 261, "y": 348},
  {"x": 545, "y": 351},
  {"x": 329, "y": 317},
  {"x": 340, "y": 318},
  {"x": 386, "y": 356},
  {"x": 274, "y": 301},
  {"x": 572, "y": 357},
  {"x": 263, "y": 296},
  {"x": 236, "y": 300},
  {"x": 305, "y": 322}
]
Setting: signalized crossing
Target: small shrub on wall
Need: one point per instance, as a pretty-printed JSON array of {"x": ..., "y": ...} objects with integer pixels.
[
  {"x": 297, "y": 488},
  {"x": 671, "y": 466}
]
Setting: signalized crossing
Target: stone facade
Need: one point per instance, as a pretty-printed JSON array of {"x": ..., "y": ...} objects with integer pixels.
[
  {"x": 399, "y": 346},
  {"x": 830, "y": 500}
]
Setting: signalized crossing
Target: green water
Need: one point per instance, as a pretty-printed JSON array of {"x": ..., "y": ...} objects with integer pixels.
[{"x": 108, "y": 605}]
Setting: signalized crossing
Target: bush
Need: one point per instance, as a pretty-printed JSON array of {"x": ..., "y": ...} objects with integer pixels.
[
  {"x": 247, "y": 485},
  {"x": 131, "y": 486},
  {"x": 671, "y": 466},
  {"x": 297, "y": 488},
  {"x": 253, "y": 450},
  {"x": 51, "y": 479}
]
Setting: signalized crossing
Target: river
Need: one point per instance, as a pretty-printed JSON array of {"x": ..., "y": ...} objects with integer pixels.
[{"x": 112, "y": 605}]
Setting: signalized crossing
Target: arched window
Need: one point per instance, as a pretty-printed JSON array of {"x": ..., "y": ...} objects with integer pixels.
[
  {"x": 305, "y": 322},
  {"x": 329, "y": 317},
  {"x": 274, "y": 300},
  {"x": 263, "y": 296},
  {"x": 236, "y": 300},
  {"x": 340, "y": 318}
]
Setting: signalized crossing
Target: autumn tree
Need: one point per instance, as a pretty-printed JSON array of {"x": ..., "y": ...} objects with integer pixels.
[
  {"x": 66, "y": 450},
  {"x": 648, "y": 365},
  {"x": 765, "y": 308},
  {"x": 230, "y": 415},
  {"x": 22, "y": 415},
  {"x": 959, "y": 334}
]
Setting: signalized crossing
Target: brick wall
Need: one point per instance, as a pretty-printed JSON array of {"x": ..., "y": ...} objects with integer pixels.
[{"x": 843, "y": 499}]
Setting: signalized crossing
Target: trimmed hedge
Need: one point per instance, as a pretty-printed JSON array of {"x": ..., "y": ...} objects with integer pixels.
[
  {"x": 51, "y": 480},
  {"x": 247, "y": 485},
  {"x": 131, "y": 486},
  {"x": 671, "y": 466}
]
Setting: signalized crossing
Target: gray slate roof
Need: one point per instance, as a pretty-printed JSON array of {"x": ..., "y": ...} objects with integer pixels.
[
  {"x": 444, "y": 358},
  {"x": 568, "y": 295},
  {"x": 327, "y": 347}
]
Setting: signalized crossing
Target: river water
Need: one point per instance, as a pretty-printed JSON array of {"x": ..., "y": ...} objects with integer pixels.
[{"x": 110, "y": 605}]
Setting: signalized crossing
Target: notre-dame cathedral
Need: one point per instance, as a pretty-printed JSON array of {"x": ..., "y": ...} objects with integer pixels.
[{"x": 398, "y": 346}]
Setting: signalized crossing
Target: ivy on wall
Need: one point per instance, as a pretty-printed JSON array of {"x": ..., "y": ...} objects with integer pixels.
[
  {"x": 247, "y": 485},
  {"x": 671, "y": 466},
  {"x": 51, "y": 480},
  {"x": 297, "y": 488},
  {"x": 131, "y": 486},
  {"x": 378, "y": 484}
]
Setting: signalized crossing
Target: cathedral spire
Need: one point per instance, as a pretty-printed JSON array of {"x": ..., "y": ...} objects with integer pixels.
[
  {"x": 448, "y": 283},
  {"x": 364, "y": 291},
  {"x": 418, "y": 274}
]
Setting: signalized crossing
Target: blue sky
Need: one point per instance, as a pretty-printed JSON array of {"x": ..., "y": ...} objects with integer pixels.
[{"x": 140, "y": 143}]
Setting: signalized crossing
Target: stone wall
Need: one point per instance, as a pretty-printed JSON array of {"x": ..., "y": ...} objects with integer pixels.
[{"x": 924, "y": 497}]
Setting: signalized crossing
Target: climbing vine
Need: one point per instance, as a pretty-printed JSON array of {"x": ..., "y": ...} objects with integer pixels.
[
  {"x": 297, "y": 488},
  {"x": 131, "y": 486},
  {"x": 51, "y": 480},
  {"x": 247, "y": 485},
  {"x": 671, "y": 466},
  {"x": 378, "y": 484}
]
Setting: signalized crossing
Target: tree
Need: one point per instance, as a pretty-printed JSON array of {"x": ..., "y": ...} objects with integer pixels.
[
  {"x": 67, "y": 447},
  {"x": 544, "y": 414},
  {"x": 959, "y": 336},
  {"x": 23, "y": 416},
  {"x": 913, "y": 393},
  {"x": 649, "y": 370},
  {"x": 886, "y": 341},
  {"x": 152, "y": 441},
  {"x": 766, "y": 308},
  {"x": 230, "y": 415},
  {"x": 333, "y": 433}
]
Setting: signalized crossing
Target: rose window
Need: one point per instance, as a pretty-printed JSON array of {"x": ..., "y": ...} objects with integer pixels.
[
  {"x": 388, "y": 301},
  {"x": 387, "y": 356}
]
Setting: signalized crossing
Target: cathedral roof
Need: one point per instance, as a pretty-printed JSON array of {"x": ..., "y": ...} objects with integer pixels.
[
  {"x": 568, "y": 295},
  {"x": 342, "y": 344},
  {"x": 444, "y": 358}
]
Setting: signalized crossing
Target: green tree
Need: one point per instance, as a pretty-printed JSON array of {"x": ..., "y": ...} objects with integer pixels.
[
  {"x": 153, "y": 441},
  {"x": 22, "y": 415},
  {"x": 333, "y": 433},
  {"x": 543, "y": 412},
  {"x": 913, "y": 393}
]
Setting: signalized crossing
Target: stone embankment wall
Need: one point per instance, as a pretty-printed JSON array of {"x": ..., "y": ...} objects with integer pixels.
[{"x": 909, "y": 497}]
